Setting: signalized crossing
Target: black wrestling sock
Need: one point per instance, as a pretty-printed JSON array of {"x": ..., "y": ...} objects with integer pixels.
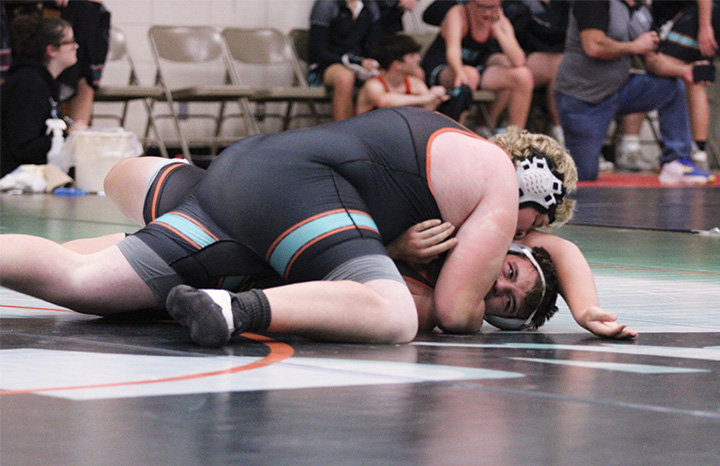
[
  {"x": 213, "y": 316},
  {"x": 251, "y": 311}
]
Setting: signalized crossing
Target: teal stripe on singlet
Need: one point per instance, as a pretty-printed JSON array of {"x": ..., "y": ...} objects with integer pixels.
[
  {"x": 304, "y": 234},
  {"x": 188, "y": 228}
]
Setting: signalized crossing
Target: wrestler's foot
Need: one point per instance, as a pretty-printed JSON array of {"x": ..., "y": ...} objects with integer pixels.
[{"x": 207, "y": 313}]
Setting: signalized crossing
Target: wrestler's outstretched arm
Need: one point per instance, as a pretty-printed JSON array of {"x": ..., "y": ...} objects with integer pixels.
[
  {"x": 577, "y": 286},
  {"x": 574, "y": 274}
]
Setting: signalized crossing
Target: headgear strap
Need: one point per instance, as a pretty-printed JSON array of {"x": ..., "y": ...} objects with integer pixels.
[
  {"x": 511, "y": 323},
  {"x": 539, "y": 184}
]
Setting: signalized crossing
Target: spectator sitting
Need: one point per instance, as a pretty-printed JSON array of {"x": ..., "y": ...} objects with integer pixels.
[
  {"x": 396, "y": 84},
  {"x": 43, "y": 48},
  {"x": 436, "y": 11},
  {"x": 477, "y": 47},
  {"x": 391, "y": 23},
  {"x": 91, "y": 22},
  {"x": 540, "y": 27},
  {"x": 342, "y": 36},
  {"x": 690, "y": 32},
  {"x": 594, "y": 84}
]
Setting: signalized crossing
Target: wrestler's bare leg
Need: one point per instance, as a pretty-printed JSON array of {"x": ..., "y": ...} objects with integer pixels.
[
  {"x": 100, "y": 283},
  {"x": 126, "y": 185},
  {"x": 380, "y": 311},
  {"x": 92, "y": 245}
]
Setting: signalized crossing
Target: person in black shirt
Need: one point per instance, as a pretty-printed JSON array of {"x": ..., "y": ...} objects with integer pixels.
[{"x": 43, "y": 48}]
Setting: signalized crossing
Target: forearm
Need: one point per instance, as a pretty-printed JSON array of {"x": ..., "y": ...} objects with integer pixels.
[
  {"x": 705, "y": 13},
  {"x": 398, "y": 100},
  {"x": 515, "y": 54},
  {"x": 509, "y": 44},
  {"x": 660, "y": 65},
  {"x": 598, "y": 45},
  {"x": 577, "y": 284},
  {"x": 453, "y": 55},
  {"x": 466, "y": 318}
]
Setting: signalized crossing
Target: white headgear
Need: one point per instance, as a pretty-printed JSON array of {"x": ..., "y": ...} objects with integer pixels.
[
  {"x": 511, "y": 323},
  {"x": 539, "y": 184}
]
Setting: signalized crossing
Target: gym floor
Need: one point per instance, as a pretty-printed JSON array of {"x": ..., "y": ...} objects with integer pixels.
[{"x": 82, "y": 390}]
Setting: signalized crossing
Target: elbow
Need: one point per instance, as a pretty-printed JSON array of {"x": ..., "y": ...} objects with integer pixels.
[
  {"x": 459, "y": 327},
  {"x": 459, "y": 322},
  {"x": 593, "y": 51},
  {"x": 383, "y": 102}
]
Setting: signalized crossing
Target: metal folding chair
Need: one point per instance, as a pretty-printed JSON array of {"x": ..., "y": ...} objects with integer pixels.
[
  {"x": 272, "y": 51},
  {"x": 131, "y": 91},
  {"x": 194, "y": 66}
]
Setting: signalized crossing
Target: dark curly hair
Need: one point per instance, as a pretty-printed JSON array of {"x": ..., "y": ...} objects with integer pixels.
[
  {"x": 32, "y": 33},
  {"x": 547, "y": 307},
  {"x": 394, "y": 48}
]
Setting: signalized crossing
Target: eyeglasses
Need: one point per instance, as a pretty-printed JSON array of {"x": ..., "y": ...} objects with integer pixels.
[{"x": 68, "y": 42}]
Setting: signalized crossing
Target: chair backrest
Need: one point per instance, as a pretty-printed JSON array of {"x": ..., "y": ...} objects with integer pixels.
[
  {"x": 189, "y": 55},
  {"x": 264, "y": 47},
  {"x": 424, "y": 39},
  {"x": 119, "y": 55},
  {"x": 301, "y": 41},
  {"x": 186, "y": 44},
  {"x": 118, "y": 46}
]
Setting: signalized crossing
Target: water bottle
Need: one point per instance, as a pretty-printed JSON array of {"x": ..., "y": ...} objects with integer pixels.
[{"x": 56, "y": 126}]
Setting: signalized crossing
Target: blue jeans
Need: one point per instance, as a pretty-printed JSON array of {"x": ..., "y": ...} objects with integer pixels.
[{"x": 585, "y": 125}]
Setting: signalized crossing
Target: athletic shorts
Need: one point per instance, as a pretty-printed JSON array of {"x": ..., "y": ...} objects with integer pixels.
[{"x": 681, "y": 41}]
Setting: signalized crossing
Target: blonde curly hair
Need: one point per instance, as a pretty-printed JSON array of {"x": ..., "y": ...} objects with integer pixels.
[{"x": 520, "y": 144}]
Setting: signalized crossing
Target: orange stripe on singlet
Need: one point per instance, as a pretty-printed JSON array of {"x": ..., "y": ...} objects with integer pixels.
[{"x": 158, "y": 188}]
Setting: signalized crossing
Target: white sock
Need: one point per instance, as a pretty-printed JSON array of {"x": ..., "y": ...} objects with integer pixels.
[
  {"x": 222, "y": 299},
  {"x": 630, "y": 143}
]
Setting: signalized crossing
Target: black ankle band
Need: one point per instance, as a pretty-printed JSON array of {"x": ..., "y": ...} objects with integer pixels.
[{"x": 251, "y": 311}]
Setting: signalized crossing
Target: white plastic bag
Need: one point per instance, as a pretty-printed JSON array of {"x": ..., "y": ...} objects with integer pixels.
[{"x": 94, "y": 151}]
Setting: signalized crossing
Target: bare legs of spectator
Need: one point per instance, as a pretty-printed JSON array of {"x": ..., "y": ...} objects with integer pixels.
[
  {"x": 518, "y": 81},
  {"x": 544, "y": 66},
  {"x": 342, "y": 82}
]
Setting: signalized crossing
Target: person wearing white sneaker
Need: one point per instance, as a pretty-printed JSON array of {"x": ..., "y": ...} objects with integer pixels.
[
  {"x": 594, "y": 85},
  {"x": 684, "y": 171},
  {"x": 700, "y": 158},
  {"x": 690, "y": 33}
]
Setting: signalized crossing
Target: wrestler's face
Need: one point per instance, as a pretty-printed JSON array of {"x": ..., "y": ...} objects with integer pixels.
[
  {"x": 516, "y": 280},
  {"x": 529, "y": 219},
  {"x": 488, "y": 10}
]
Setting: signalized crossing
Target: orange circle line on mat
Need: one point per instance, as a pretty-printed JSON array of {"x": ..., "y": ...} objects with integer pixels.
[
  {"x": 36, "y": 308},
  {"x": 278, "y": 352}
]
